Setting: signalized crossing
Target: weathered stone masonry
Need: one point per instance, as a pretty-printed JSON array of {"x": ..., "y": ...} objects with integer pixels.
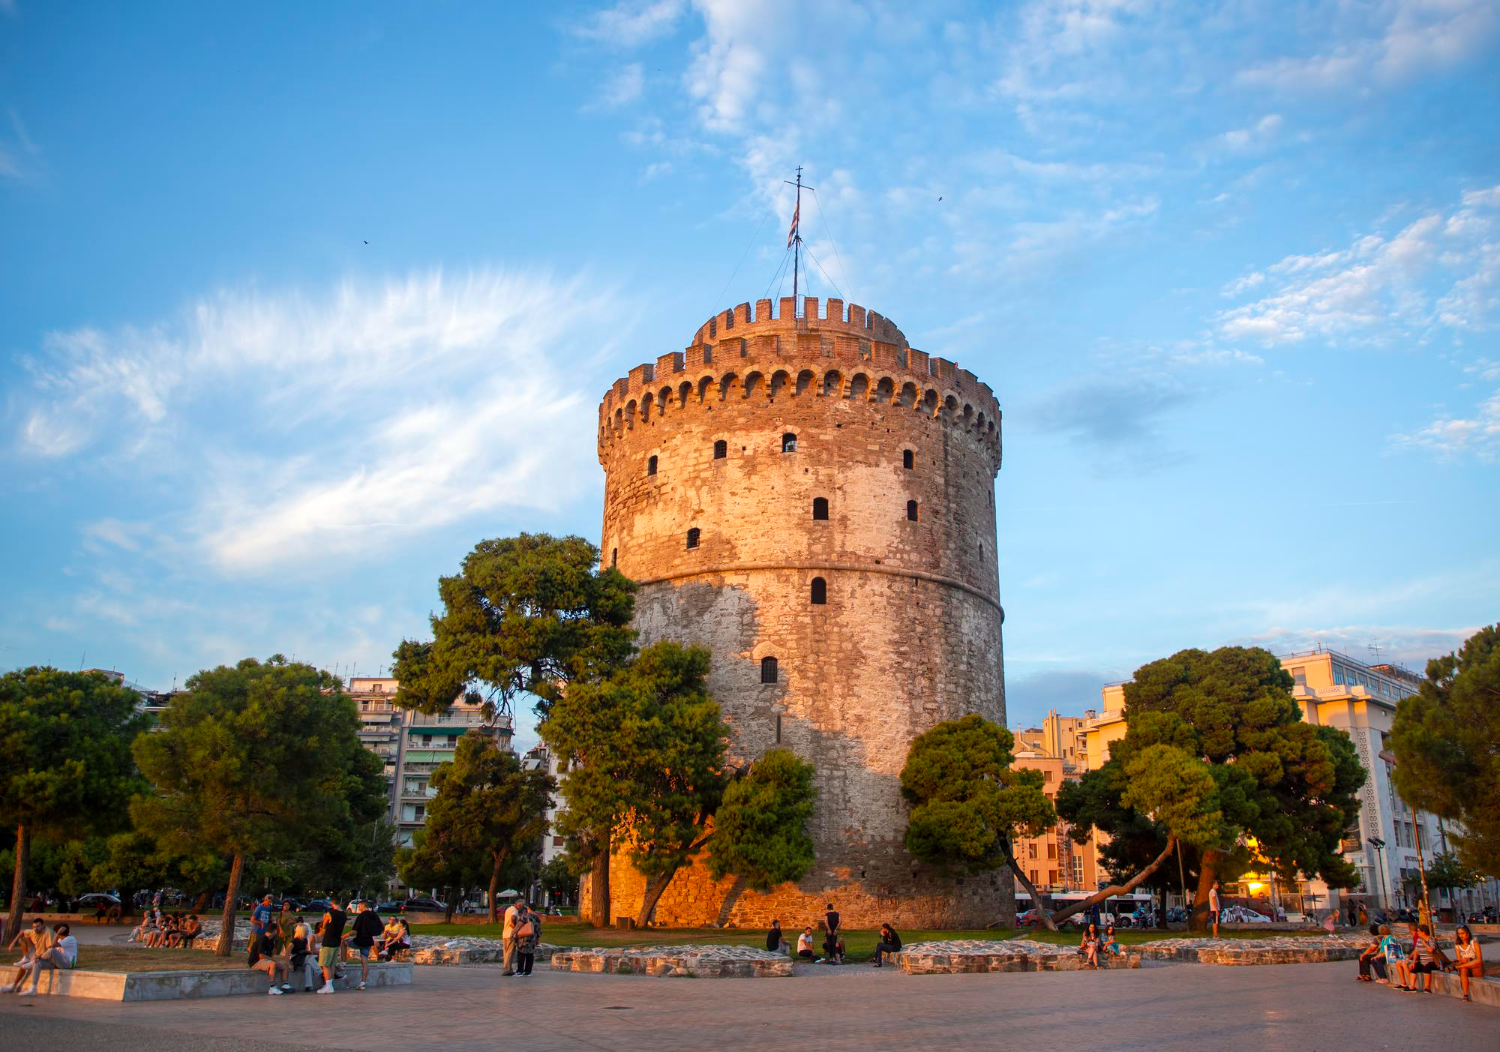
[{"x": 817, "y": 409}]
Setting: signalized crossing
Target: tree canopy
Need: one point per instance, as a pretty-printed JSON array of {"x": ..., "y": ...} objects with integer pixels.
[
  {"x": 1444, "y": 739},
  {"x": 525, "y": 615},
  {"x": 1216, "y": 753},
  {"x": 259, "y": 760},
  {"x": 488, "y": 812},
  {"x": 760, "y": 828},
  {"x": 65, "y": 753}
]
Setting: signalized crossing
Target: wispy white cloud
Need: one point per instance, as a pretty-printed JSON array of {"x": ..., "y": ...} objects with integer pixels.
[
  {"x": 1450, "y": 436},
  {"x": 1379, "y": 45},
  {"x": 621, "y": 88},
  {"x": 1437, "y": 270},
  {"x": 1409, "y": 645},
  {"x": 19, "y": 153},
  {"x": 318, "y": 426},
  {"x": 631, "y": 23},
  {"x": 1255, "y": 136}
]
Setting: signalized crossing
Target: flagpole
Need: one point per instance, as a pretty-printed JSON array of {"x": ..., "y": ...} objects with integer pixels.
[{"x": 797, "y": 238}]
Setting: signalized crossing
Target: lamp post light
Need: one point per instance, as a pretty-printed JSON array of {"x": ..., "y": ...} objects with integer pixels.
[{"x": 1379, "y": 846}]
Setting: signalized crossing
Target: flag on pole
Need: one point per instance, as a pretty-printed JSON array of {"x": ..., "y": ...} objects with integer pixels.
[{"x": 791, "y": 235}]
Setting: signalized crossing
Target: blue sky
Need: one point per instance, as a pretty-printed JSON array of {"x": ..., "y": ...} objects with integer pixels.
[{"x": 297, "y": 302}]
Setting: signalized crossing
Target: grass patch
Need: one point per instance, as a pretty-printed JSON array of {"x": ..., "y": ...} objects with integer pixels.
[{"x": 124, "y": 959}]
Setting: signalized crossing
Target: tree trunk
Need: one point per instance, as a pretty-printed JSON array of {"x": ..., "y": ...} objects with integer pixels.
[
  {"x": 200, "y": 904},
  {"x": 599, "y": 880},
  {"x": 231, "y": 899},
  {"x": 1119, "y": 889},
  {"x": 654, "y": 889},
  {"x": 1208, "y": 872},
  {"x": 18, "y": 884},
  {"x": 1036, "y": 898},
  {"x": 449, "y": 897}
]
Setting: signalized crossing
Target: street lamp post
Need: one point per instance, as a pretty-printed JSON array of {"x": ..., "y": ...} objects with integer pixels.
[{"x": 1379, "y": 846}]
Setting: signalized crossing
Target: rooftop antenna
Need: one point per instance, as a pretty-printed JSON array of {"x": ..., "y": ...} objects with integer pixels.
[
  {"x": 1374, "y": 648},
  {"x": 794, "y": 235}
]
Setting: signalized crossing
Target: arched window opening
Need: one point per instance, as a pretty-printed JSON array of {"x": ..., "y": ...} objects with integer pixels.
[
  {"x": 721, "y": 449},
  {"x": 911, "y": 510},
  {"x": 789, "y": 443},
  {"x": 908, "y": 459},
  {"x": 819, "y": 591},
  {"x": 768, "y": 670},
  {"x": 651, "y": 465},
  {"x": 820, "y": 508},
  {"x": 692, "y": 537}
]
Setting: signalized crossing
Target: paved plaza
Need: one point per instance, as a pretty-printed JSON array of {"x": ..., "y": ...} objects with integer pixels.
[{"x": 1161, "y": 1007}]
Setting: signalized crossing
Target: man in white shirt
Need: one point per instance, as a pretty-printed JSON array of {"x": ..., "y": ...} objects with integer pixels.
[
  {"x": 1213, "y": 907},
  {"x": 508, "y": 938}
]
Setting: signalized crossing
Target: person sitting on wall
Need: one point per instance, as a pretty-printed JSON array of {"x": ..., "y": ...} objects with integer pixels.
[
  {"x": 63, "y": 955},
  {"x": 262, "y": 959},
  {"x": 774, "y": 942},
  {"x": 889, "y": 943},
  {"x": 805, "y": 944},
  {"x": 1372, "y": 959},
  {"x": 1111, "y": 944}
]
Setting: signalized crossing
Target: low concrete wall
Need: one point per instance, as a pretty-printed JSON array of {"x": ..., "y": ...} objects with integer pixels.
[{"x": 186, "y": 985}]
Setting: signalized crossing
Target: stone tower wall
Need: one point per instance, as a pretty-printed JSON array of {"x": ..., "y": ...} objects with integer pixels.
[{"x": 910, "y": 634}]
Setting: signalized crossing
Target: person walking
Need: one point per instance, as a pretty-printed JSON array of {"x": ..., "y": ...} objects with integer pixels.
[
  {"x": 889, "y": 943},
  {"x": 1213, "y": 908},
  {"x": 528, "y": 937},
  {"x": 1468, "y": 961},
  {"x": 331, "y": 931},
  {"x": 508, "y": 937},
  {"x": 367, "y": 927}
]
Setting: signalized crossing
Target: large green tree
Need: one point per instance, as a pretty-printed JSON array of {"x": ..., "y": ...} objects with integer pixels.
[
  {"x": 1445, "y": 741},
  {"x": 760, "y": 827},
  {"x": 645, "y": 750},
  {"x": 970, "y": 805},
  {"x": 525, "y": 615},
  {"x": 1288, "y": 786},
  {"x": 489, "y": 812},
  {"x": 64, "y": 759},
  {"x": 256, "y": 761}
]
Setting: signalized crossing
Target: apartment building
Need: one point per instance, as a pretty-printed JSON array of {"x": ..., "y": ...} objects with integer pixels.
[
  {"x": 413, "y": 744},
  {"x": 1054, "y": 863}
]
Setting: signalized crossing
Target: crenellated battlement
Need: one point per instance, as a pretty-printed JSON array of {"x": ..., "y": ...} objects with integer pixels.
[{"x": 847, "y": 353}]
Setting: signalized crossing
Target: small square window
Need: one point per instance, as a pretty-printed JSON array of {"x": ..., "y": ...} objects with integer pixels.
[
  {"x": 820, "y": 508},
  {"x": 692, "y": 537},
  {"x": 789, "y": 443}
]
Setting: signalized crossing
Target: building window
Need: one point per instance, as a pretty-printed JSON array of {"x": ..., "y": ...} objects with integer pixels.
[
  {"x": 1031, "y": 852},
  {"x": 721, "y": 449},
  {"x": 651, "y": 465},
  {"x": 419, "y": 812},
  {"x": 1031, "y": 874},
  {"x": 1052, "y": 854},
  {"x": 819, "y": 591},
  {"x": 1052, "y": 876},
  {"x": 768, "y": 670},
  {"x": 380, "y": 688},
  {"x": 692, "y": 538},
  {"x": 908, "y": 459},
  {"x": 1077, "y": 870},
  {"x": 789, "y": 443},
  {"x": 1046, "y": 777},
  {"x": 557, "y": 841},
  {"x": 778, "y": 728},
  {"x": 820, "y": 508},
  {"x": 911, "y": 511},
  {"x": 614, "y": 557}
]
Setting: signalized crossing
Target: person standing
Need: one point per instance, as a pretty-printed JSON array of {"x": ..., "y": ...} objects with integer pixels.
[
  {"x": 889, "y": 943},
  {"x": 1213, "y": 908},
  {"x": 286, "y": 924},
  {"x": 332, "y": 932},
  {"x": 831, "y": 934},
  {"x": 508, "y": 937},
  {"x": 528, "y": 937},
  {"x": 261, "y": 920},
  {"x": 367, "y": 927}
]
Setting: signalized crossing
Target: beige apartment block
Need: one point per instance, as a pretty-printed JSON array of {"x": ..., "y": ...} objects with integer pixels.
[{"x": 1054, "y": 862}]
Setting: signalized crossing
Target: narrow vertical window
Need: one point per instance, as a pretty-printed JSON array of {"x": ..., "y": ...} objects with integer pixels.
[
  {"x": 908, "y": 459},
  {"x": 819, "y": 591},
  {"x": 614, "y": 557},
  {"x": 789, "y": 443},
  {"x": 768, "y": 670},
  {"x": 911, "y": 510},
  {"x": 820, "y": 507},
  {"x": 778, "y": 728},
  {"x": 692, "y": 538},
  {"x": 651, "y": 465},
  {"x": 721, "y": 449}
]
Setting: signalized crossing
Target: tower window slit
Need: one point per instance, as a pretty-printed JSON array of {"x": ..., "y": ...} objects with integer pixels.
[
  {"x": 819, "y": 591},
  {"x": 908, "y": 459},
  {"x": 820, "y": 508},
  {"x": 651, "y": 465},
  {"x": 768, "y": 670},
  {"x": 721, "y": 449},
  {"x": 692, "y": 537},
  {"x": 911, "y": 510}
]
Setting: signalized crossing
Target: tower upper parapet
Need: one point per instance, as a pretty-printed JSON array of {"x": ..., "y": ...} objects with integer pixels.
[{"x": 849, "y": 352}]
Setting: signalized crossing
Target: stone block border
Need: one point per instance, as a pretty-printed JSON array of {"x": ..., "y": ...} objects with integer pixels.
[
  {"x": 703, "y": 962},
  {"x": 188, "y": 985}
]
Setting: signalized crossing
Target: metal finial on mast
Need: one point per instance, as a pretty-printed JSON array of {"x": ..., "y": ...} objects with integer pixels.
[{"x": 794, "y": 236}]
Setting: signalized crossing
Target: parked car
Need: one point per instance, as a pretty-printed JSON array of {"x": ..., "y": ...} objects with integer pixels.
[
  {"x": 1028, "y": 918},
  {"x": 424, "y": 906},
  {"x": 94, "y": 899},
  {"x": 1244, "y": 915},
  {"x": 390, "y": 906}
]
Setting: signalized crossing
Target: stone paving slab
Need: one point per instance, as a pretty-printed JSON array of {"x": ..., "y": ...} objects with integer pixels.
[{"x": 702, "y": 962}]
